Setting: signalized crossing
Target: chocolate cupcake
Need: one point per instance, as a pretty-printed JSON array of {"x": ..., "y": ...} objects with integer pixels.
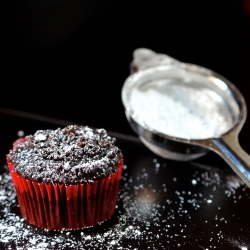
[{"x": 66, "y": 179}]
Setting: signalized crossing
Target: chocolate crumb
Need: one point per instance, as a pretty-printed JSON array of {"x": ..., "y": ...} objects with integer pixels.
[{"x": 73, "y": 154}]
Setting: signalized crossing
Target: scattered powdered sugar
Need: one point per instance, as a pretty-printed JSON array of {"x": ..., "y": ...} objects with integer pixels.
[
  {"x": 180, "y": 110},
  {"x": 20, "y": 133},
  {"x": 158, "y": 208},
  {"x": 234, "y": 182}
]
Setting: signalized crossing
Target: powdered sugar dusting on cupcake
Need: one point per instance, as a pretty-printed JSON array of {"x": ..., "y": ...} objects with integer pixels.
[{"x": 69, "y": 155}]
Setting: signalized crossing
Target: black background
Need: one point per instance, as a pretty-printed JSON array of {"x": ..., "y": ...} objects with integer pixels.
[{"x": 69, "y": 59}]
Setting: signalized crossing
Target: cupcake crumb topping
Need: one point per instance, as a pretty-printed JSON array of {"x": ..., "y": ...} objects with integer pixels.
[{"x": 70, "y": 155}]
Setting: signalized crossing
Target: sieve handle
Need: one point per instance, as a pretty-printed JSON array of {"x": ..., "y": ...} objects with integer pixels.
[{"x": 229, "y": 149}]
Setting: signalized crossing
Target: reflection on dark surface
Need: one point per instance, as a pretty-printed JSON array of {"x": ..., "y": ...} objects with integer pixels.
[{"x": 162, "y": 204}]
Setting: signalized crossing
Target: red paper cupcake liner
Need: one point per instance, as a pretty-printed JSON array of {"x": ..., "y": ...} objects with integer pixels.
[{"x": 67, "y": 207}]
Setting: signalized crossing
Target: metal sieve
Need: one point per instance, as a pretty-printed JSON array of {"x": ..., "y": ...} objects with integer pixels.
[{"x": 166, "y": 77}]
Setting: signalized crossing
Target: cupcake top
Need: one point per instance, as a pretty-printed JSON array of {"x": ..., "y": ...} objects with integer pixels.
[{"x": 73, "y": 154}]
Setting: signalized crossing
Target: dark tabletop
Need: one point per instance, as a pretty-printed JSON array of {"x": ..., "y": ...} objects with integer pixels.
[{"x": 162, "y": 204}]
